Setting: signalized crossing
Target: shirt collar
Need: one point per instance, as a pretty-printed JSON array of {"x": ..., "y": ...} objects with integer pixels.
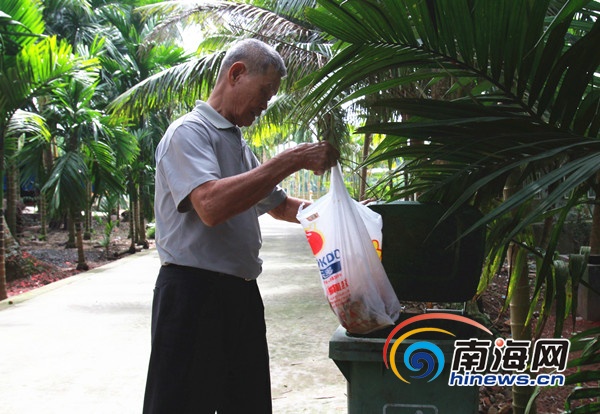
[{"x": 215, "y": 118}]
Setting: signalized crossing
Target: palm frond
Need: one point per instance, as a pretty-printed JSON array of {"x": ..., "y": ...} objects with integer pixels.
[
  {"x": 485, "y": 44},
  {"x": 28, "y": 123},
  {"x": 21, "y": 23},
  {"x": 105, "y": 176},
  {"x": 181, "y": 84},
  {"x": 37, "y": 67},
  {"x": 67, "y": 182}
]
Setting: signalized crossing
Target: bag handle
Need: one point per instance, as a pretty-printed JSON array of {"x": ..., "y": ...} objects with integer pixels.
[{"x": 337, "y": 185}]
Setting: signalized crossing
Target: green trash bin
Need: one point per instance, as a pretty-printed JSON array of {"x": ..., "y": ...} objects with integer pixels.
[{"x": 426, "y": 261}]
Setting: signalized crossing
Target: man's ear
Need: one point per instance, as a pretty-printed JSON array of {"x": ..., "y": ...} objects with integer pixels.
[{"x": 235, "y": 71}]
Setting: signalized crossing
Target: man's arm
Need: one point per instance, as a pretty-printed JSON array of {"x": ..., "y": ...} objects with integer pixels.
[
  {"x": 288, "y": 209},
  {"x": 217, "y": 201}
]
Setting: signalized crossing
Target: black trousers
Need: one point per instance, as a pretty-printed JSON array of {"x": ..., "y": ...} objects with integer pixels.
[{"x": 209, "y": 347}]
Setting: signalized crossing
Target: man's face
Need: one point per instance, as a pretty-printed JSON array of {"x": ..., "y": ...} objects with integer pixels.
[{"x": 251, "y": 94}]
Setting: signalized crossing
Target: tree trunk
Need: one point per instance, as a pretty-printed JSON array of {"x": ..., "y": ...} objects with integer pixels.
[
  {"x": 81, "y": 263},
  {"x": 363, "y": 171},
  {"x": 297, "y": 184},
  {"x": 519, "y": 307},
  {"x": 3, "y": 291},
  {"x": 48, "y": 161},
  {"x": 12, "y": 196},
  {"x": 87, "y": 234},
  {"x": 107, "y": 233},
  {"x": 138, "y": 219},
  {"x": 43, "y": 217},
  {"x": 595, "y": 231},
  {"x": 141, "y": 226},
  {"x": 519, "y": 302},
  {"x": 132, "y": 226},
  {"x": 71, "y": 243}
]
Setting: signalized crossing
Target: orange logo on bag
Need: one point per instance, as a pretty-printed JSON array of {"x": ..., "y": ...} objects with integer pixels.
[
  {"x": 315, "y": 240},
  {"x": 377, "y": 248}
]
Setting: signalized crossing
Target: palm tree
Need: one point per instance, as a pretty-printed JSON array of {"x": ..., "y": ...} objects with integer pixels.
[
  {"x": 222, "y": 23},
  {"x": 125, "y": 60},
  {"x": 530, "y": 116},
  {"x": 281, "y": 24},
  {"x": 130, "y": 62},
  {"x": 86, "y": 159},
  {"x": 29, "y": 65},
  {"x": 35, "y": 162},
  {"x": 80, "y": 24}
]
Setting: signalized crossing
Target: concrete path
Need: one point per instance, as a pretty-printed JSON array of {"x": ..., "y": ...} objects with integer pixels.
[{"x": 81, "y": 345}]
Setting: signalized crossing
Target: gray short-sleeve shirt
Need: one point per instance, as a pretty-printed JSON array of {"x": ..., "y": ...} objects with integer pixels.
[{"x": 199, "y": 147}]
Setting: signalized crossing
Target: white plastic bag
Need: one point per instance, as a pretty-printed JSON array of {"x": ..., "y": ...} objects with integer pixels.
[{"x": 345, "y": 237}]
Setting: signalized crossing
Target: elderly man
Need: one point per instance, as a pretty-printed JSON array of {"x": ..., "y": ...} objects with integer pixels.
[{"x": 209, "y": 348}]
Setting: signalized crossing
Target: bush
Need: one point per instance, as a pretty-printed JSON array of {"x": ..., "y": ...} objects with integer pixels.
[{"x": 150, "y": 231}]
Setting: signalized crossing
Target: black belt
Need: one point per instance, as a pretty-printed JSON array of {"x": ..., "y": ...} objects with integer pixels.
[{"x": 209, "y": 272}]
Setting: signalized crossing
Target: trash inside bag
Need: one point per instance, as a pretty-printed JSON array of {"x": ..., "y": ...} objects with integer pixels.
[{"x": 345, "y": 238}]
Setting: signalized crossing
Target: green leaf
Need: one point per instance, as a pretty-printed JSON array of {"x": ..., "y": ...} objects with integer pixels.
[
  {"x": 561, "y": 289},
  {"x": 66, "y": 184},
  {"x": 582, "y": 376}
]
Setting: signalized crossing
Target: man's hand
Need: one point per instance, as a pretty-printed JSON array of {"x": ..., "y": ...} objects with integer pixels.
[{"x": 318, "y": 157}]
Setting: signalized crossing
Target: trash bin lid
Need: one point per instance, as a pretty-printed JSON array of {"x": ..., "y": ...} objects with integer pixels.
[{"x": 426, "y": 260}]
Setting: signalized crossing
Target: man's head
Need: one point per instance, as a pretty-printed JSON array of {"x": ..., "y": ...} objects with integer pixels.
[
  {"x": 249, "y": 77},
  {"x": 257, "y": 56}
]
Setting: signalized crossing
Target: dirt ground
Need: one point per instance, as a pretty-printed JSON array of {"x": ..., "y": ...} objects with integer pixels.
[
  {"x": 52, "y": 261},
  {"x": 496, "y": 400},
  {"x": 57, "y": 262}
]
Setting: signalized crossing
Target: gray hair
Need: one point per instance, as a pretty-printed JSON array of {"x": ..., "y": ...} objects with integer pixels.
[{"x": 258, "y": 57}]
